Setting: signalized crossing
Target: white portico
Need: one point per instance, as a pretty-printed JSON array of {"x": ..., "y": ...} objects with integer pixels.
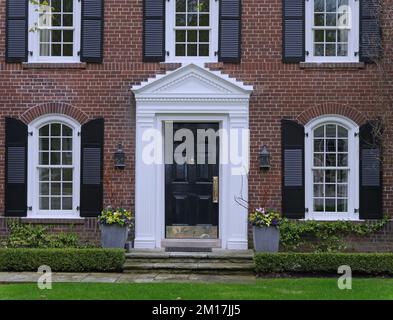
[{"x": 191, "y": 94}]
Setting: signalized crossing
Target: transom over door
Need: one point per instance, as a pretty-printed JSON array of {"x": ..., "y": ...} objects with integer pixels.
[{"x": 191, "y": 182}]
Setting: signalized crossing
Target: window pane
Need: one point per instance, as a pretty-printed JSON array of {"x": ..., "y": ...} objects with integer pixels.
[
  {"x": 55, "y": 130},
  {"x": 55, "y": 203},
  {"x": 67, "y": 20},
  {"x": 180, "y": 20},
  {"x": 318, "y": 205},
  {"x": 319, "y": 6},
  {"x": 330, "y": 5},
  {"x": 44, "y": 189},
  {"x": 67, "y": 131},
  {"x": 56, "y": 20},
  {"x": 55, "y": 188},
  {"x": 342, "y": 50},
  {"x": 67, "y": 189},
  {"x": 67, "y": 50},
  {"x": 342, "y": 145},
  {"x": 342, "y": 132},
  {"x": 330, "y": 176},
  {"x": 67, "y": 203},
  {"x": 44, "y": 131},
  {"x": 342, "y": 190},
  {"x": 45, "y": 49},
  {"x": 68, "y": 36},
  {"x": 319, "y": 160},
  {"x": 44, "y": 144},
  {"x": 44, "y": 158},
  {"x": 55, "y": 174},
  {"x": 331, "y": 19},
  {"x": 192, "y": 5},
  {"x": 331, "y": 130},
  {"x": 331, "y": 145},
  {"x": 204, "y": 50},
  {"x": 44, "y": 203},
  {"x": 330, "y": 160},
  {"x": 331, "y": 36},
  {"x": 192, "y": 50},
  {"x": 342, "y": 176},
  {"x": 318, "y": 190},
  {"x": 330, "y": 205},
  {"x": 204, "y": 5},
  {"x": 192, "y": 36},
  {"x": 44, "y": 175},
  {"x": 180, "y": 50},
  {"x": 342, "y": 205},
  {"x": 330, "y": 190},
  {"x": 342, "y": 160},
  {"x": 56, "y": 35},
  {"x": 342, "y": 19},
  {"x": 204, "y": 20},
  {"x": 319, "y": 145},
  {"x": 319, "y": 132},
  {"x": 45, "y": 35},
  {"x": 67, "y": 144},
  {"x": 319, "y": 50},
  {"x": 319, "y": 19},
  {"x": 55, "y": 144},
  {"x": 67, "y": 158},
  {"x": 55, "y": 158},
  {"x": 67, "y": 5},
  {"x": 318, "y": 176},
  {"x": 192, "y": 20},
  {"x": 181, "y": 5},
  {"x": 319, "y": 36},
  {"x": 67, "y": 174},
  {"x": 204, "y": 36},
  {"x": 180, "y": 36}
]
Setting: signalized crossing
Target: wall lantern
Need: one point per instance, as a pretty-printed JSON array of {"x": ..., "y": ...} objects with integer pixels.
[
  {"x": 264, "y": 159},
  {"x": 120, "y": 158}
]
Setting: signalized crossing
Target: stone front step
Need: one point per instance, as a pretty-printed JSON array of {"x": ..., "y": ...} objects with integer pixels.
[{"x": 217, "y": 262}]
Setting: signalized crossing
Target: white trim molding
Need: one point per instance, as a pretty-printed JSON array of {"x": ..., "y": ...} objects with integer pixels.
[
  {"x": 32, "y": 171},
  {"x": 353, "y": 168},
  {"x": 189, "y": 94}
]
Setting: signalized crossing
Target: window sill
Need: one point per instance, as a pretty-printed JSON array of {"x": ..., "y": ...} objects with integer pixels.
[
  {"x": 42, "y": 65},
  {"x": 332, "y": 65},
  {"x": 53, "y": 220}
]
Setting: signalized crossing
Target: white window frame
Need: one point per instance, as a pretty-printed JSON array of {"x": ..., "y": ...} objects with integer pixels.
[
  {"x": 34, "y": 37},
  {"x": 33, "y": 174},
  {"x": 170, "y": 43},
  {"x": 353, "y": 35},
  {"x": 353, "y": 172}
]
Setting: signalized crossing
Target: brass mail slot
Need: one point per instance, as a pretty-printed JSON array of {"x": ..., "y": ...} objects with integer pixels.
[{"x": 215, "y": 190}]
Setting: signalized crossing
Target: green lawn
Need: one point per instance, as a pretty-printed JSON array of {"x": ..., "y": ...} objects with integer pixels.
[{"x": 304, "y": 288}]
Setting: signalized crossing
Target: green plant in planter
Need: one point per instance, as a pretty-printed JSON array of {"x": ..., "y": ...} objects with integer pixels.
[
  {"x": 265, "y": 218},
  {"x": 115, "y": 216}
]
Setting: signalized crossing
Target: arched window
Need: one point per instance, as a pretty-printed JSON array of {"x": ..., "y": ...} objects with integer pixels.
[
  {"x": 54, "y": 167},
  {"x": 332, "y": 169}
]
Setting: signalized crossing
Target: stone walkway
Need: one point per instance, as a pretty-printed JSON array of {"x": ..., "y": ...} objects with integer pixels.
[{"x": 25, "y": 277}]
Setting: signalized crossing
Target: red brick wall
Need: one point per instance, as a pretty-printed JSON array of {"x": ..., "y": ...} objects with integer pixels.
[{"x": 280, "y": 90}]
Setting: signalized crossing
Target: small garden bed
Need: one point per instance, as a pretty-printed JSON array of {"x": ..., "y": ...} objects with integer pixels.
[
  {"x": 62, "y": 260},
  {"x": 324, "y": 263}
]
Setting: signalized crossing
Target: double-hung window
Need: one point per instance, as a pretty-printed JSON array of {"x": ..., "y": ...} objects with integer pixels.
[
  {"x": 332, "y": 30},
  {"x": 54, "y": 168},
  {"x": 54, "y": 31},
  {"x": 192, "y": 30},
  {"x": 332, "y": 154}
]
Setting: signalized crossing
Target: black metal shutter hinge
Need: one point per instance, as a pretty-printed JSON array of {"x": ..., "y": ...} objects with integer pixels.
[
  {"x": 30, "y": 208},
  {"x": 30, "y": 133},
  {"x": 306, "y": 210},
  {"x": 356, "y": 210}
]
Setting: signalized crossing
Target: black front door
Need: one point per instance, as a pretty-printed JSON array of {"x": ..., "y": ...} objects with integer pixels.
[{"x": 191, "y": 184}]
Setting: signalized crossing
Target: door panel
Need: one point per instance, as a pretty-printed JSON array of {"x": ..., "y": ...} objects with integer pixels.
[{"x": 190, "y": 211}]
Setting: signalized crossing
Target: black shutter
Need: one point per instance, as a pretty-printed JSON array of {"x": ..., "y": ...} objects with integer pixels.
[
  {"x": 92, "y": 31},
  {"x": 230, "y": 31},
  {"x": 293, "y": 30},
  {"x": 370, "y": 191},
  {"x": 92, "y": 144},
  {"x": 293, "y": 202},
  {"x": 153, "y": 30},
  {"x": 370, "y": 31},
  {"x": 15, "y": 168},
  {"x": 16, "y": 34}
]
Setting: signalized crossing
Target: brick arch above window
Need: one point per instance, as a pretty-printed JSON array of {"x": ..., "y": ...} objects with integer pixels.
[
  {"x": 331, "y": 109},
  {"x": 54, "y": 108}
]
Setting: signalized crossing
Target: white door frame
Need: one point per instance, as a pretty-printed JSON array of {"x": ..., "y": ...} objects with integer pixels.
[{"x": 199, "y": 96}]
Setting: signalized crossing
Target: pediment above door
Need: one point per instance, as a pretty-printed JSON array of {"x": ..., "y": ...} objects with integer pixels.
[{"x": 192, "y": 82}]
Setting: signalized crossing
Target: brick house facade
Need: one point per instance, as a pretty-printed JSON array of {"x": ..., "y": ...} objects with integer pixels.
[{"x": 296, "y": 90}]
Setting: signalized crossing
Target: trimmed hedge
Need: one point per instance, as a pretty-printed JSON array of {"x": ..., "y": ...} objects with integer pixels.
[
  {"x": 324, "y": 263},
  {"x": 62, "y": 260}
]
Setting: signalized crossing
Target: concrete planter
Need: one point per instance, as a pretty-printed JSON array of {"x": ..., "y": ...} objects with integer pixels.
[
  {"x": 113, "y": 236},
  {"x": 266, "y": 239}
]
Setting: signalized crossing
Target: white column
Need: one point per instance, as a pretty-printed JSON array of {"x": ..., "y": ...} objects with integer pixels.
[
  {"x": 237, "y": 216},
  {"x": 145, "y": 181}
]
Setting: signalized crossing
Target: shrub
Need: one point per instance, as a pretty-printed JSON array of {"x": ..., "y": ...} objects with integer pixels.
[
  {"x": 324, "y": 263},
  {"x": 62, "y": 260},
  {"x": 36, "y": 236}
]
